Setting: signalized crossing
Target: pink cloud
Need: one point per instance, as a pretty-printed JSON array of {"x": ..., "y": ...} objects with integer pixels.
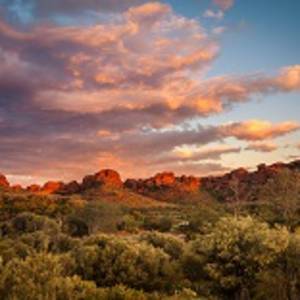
[{"x": 117, "y": 94}]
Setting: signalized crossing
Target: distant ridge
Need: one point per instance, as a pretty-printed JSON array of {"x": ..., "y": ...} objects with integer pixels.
[{"x": 163, "y": 186}]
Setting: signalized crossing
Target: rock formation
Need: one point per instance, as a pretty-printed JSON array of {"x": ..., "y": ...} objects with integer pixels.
[
  {"x": 72, "y": 187},
  {"x": 17, "y": 188},
  {"x": 165, "y": 186},
  {"x": 105, "y": 177},
  {"x": 33, "y": 188},
  {"x": 3, "y": 181},
  {"x": 52, "y": 187},
  {"x": 245, "y": 184}
]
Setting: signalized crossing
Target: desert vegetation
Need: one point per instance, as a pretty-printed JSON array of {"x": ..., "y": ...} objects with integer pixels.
[{"x": 95, "y": 244}]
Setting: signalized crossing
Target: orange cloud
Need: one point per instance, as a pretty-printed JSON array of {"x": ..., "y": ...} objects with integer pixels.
[
  {"x": 289, "y": 78},
  {"x": 148, "y": 13},
  {"x": 258, "y": 130},
  {"x": 208, "y": 106}
]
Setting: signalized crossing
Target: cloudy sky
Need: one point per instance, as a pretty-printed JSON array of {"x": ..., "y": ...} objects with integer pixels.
[{"x": 195, "y": 86}]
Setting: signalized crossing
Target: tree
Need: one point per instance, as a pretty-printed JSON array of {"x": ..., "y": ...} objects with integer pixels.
[
  {"x": 281, "y": 281},
  {"x": 281, "y": 197},
  {"x": 110, "y": 261},
  {"x": 170, "y": 244},
  {"x": 31, "y": 278},
  {"x": 227, "y": 259},
  {"x": 93, "y": 217}
]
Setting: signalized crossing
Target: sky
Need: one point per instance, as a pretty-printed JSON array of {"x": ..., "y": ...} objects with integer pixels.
[{"x": 198, "y": 87}]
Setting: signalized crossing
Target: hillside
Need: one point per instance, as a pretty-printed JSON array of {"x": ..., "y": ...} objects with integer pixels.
[{"x": 234, "y": 236}]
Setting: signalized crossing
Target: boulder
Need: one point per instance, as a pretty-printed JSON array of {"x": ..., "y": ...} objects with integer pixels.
[
  {"x": 52, "y": 187},
  {"x": 164, "y": 179},
  {"x": 109, "y": 177},
  {"x": 105, "y": 177},
  {"x": 3, "y": 181}
]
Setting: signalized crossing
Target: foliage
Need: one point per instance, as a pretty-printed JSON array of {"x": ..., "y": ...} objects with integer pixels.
[
  {"x": 162, "y": 224},
  {"x": 170, "y": 244},
  {"x": 281, "y": 199},
  {"x": 111, "y": 261},
  {"x": 83, "y": 247},
  {"x": 281, "y": 281},
  {"x": 93, "y": 217},
  {"x": 228, "y": 258}
]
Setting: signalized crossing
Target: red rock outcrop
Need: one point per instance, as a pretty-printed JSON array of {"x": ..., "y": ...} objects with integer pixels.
[
  {"x": 17, "y": 188},
  {"x": 164, "y": 179},
  {"x": 3, "y": 181},
  {"x": 72, "y": 187},
  {"x": 33, "y": 188},
  {"x": 244, "y": 183},
  {"x": 189, "y": 183},
  {"x": 52, "y": 187},
  {"x": 165, "y": 186},
  {"x": 105, "y": 177}
]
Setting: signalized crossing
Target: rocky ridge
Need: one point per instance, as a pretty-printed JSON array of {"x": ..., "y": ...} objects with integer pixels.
[{"x": 163, "y": 183}]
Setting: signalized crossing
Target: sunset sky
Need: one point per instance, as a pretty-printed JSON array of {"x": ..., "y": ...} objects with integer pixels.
[{"x": 192, "y": 86}]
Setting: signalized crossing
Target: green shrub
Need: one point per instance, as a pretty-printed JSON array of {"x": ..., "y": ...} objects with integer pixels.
[
  {"x": 110, "y": 261},
  {"x": 170, "y": 244},
  {"x": 227, "y": 260}
]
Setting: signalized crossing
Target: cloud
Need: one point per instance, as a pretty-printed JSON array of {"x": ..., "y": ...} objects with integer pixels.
[
  {"x": 293, "y": 157},
  {"x": 262, "y": 147},
  {"x": 47, "y": 8},
  {"x": 219, "y": 30},
  {"x": 144, "y": 55},
  {"x": 218, "y": 15},
  {"x": 48, "y": 147},
  {"x": 200, "y": 169},
  {"x": 117, "y": 93},
  {"x": 224, "y": 4},
  {"x": 256, "y": 130},
  {"x": 149, "y": 57},
  {"x": 188, "y": 154},
  {"x": 289, "y": 78}
]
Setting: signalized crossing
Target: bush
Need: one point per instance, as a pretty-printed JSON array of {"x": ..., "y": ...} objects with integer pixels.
[
  {"x": 170, "y": 244},
  {"x": 28, "y": 222},
  {"x": 93, "y": 217},
  {"x": 32, "y": 278},
  {"x": 281, "y": 281},
  {"x": 111, "y": 261},
  {"x": 227, "y": 260},
  {"x": 162, "y": 224}
]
